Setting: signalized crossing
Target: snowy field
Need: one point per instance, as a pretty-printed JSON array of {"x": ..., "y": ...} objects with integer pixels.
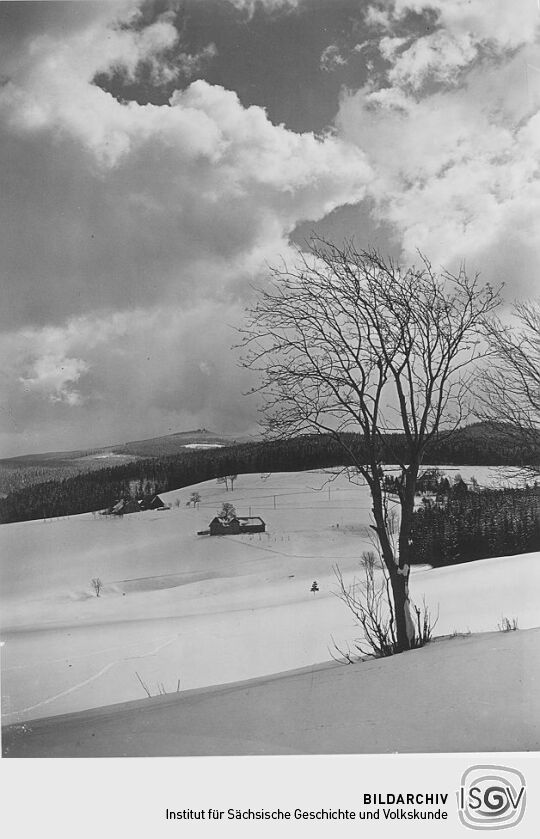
[{"x": 182, "y": 611}]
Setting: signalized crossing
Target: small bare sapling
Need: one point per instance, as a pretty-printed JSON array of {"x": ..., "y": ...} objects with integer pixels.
[
  {"x": 508, "y": 625},
  {"x": 97, "y": 585}
]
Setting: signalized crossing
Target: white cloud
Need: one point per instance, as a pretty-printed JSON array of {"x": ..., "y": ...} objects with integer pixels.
[
  {"x": 509, "y": 25},
  {"x": 137, "y": 372},
  {"x": 451, "y": 172},
  {"x": 153, "y": 220},
  {"x": 439, "y": 57},
  {"x": 147, "y": 202},
  {"x": 465, "y": 31},
  {"x": 378, "y": 17},
  {"x": 390, "y": 45},
  {"x": 250, "y": 6},
  {"x": 46, "y": 361},
  {"x": 190, "y": 64},
  {"x": 51, "y": 88},
  {"x": 54, "y": 376},
  {"x": 457, "y": 166}
]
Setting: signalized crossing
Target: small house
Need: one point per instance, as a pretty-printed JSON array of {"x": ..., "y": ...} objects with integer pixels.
[
  {"x": 135, "y": 505},
  {"x": 235, "y": 525},
  {"x": 157, "y": 504},
  {"x": 131, "y": 506}
]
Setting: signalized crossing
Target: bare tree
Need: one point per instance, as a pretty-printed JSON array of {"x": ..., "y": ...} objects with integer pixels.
[
  {"x": 509, "y": 389},
  {"x": 227, "y": 479},
  {"x": 97, "y": 585},
  {"x": 347, "y": 340},
  {"x": 195, "y": 499}
]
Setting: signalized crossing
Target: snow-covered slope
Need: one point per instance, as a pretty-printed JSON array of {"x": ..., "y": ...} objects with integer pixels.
[
  {"x": 188, "y": 611},
  {"x": 478, "y": 693}
]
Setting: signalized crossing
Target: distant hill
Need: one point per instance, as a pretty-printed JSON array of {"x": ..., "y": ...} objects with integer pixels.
[
  {"x": 174, "y": 443},
  {"x": 28, "y": 469},
  {"x": 487, "y": 443}
]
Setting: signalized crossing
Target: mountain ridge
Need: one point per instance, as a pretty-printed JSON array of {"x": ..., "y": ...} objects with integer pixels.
[{"x": 28, "y": 469}]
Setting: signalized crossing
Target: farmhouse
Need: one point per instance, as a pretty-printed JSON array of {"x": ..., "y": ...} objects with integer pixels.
[
  {"x": 152, "y": 503},
  {"x": 124, "y": 506},
  {"x": 135, "y": 505},
  {"x": 235, "y": 525}
]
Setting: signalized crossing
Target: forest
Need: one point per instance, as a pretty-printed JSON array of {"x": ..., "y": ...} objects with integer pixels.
[
  {"x": 98, "y": 489},
  {"x": 470, "y": 524}
]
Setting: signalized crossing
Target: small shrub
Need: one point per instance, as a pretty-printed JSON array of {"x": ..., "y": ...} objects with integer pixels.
[
  {"x": 425, "y": 624},
  {"x": 457, "y": 634},
  {"x": 370, "y": 601}
]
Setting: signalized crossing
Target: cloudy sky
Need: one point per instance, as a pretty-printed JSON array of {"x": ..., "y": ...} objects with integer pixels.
[{"x": 156, "y": 157}]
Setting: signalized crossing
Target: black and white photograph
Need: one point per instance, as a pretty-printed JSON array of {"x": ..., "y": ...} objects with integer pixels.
[{"x": 270, "y": 381}]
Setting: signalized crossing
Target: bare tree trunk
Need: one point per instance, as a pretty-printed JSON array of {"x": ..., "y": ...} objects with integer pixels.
[
  {"x": 397, "y": 567},
  {"x": 405, "y": 634}
]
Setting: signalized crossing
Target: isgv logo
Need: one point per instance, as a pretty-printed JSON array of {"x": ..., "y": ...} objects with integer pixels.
[{"x": 491, "y": 797}]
